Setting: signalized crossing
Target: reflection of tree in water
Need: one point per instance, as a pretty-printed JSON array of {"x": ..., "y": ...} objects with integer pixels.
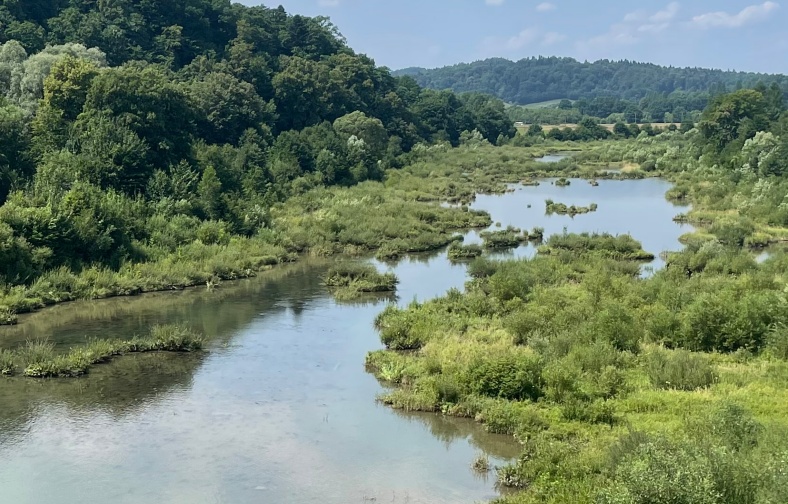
[
  {"x": 132, "y": 382},
  {"x": 217, "y": 313},
  {"x": 450, "y": 429}
]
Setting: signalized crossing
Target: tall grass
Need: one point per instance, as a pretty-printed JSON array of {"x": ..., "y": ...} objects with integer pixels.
[
  {"x": 38, "y": 359},
  {"x": 347, "y": 280}
]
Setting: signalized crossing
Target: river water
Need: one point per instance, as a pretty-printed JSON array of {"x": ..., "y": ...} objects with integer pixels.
[{"x": 279, "y": 409}]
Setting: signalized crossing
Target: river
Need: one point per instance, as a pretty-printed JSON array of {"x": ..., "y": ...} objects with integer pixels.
[{"x": 279, "y": 409}]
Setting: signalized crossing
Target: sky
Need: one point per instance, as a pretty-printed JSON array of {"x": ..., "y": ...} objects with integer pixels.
[{"x": 744, "y": 35}]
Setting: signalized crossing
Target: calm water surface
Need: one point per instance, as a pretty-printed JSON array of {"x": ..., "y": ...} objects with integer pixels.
[{"x": 280, "y": 408}]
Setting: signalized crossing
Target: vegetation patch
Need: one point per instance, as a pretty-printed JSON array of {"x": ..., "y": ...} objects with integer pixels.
[
  {"x": 621, "y": 247},
  {"x": 349, "y": 280},
  {"x": 553, "y": 207},
  {"x": 506, "y": 238},
  {"x": 38, "y": 358},
  {"x": 460, "y": 252}
]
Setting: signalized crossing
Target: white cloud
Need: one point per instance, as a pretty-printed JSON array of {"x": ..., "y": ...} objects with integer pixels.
[
  {"x": 521, "y": 40},
  {"x": 552, "y": 38},
  {"x": 667, "y": 14},
  {"x": 497, "y": 46},
  {"x": 494, "y": 2},
  {"x": 328, "y": 3},
  {"x": 635, "y": 25},
  {"x": 545, "y": 6},
  {"x": 721, "y": 19}
]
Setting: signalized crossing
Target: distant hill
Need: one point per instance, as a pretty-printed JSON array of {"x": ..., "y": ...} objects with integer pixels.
[{"x": 543, "y": 79}]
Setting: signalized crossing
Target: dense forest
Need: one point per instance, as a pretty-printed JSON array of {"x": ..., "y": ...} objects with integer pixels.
[
  {"x": 130, "y": 129},
  {"x": 539, "y": 79},
  {"x": 677, "y": 106}
]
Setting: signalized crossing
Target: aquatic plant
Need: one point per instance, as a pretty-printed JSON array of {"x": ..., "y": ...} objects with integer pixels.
[
  {"x": 39, "y": 359},
  {"x": 7, "y": 362},
  {"x": 459, "y": 252},
  {"x": 481, "y": 463},
  {"x": 621, "y": 247},
  {"x": 505, "y": 238},
  {"x": 350, "y": 279},
  {"x": 552, "y": 207}
]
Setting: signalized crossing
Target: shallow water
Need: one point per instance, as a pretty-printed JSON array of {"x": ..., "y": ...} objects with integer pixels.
[
  {"x": 552, "y": 158},
  {"x": 636, "y": 207},
  {"x": 280, "y": 408}
]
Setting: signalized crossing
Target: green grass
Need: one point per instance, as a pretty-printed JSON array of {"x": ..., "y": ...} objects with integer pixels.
[
  {"x": 349, "y": 280},
  {"x": 38, "y": 359},
  {"x": 621, "y": 247},
  {"x": 460, "y": 252},
  {"x": 506, "y": 238}
]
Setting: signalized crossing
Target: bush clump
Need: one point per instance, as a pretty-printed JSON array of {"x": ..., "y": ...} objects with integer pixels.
[
  {"x": 679, "y": 370},
  {"x": 554, "y": 207},
  {"x": 350, "y": 280},
  {"x": 506, "y": 238},
  {"x": 459, "y": 252},
  {"x": 621, "y": 247}
]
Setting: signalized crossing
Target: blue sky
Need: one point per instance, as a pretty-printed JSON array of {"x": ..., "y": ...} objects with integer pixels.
[{"x": 742, "y": 35}]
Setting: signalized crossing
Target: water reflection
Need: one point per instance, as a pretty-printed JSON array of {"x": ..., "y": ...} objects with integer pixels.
[{"x": 636, "y": 207}]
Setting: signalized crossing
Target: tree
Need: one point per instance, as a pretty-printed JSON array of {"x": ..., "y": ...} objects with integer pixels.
[
  {"x": 369, "y": 129},
  {"x": 149, "y": 105},
  {"x": 227, "y": 107},
  {"x": 733, "y": 117},
  {"x": 210, "y": 191}
]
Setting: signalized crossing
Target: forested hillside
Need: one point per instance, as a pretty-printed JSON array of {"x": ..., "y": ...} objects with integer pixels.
[
  {"x": 129, "y": 129},
  {"x": 540, "y": 79}
]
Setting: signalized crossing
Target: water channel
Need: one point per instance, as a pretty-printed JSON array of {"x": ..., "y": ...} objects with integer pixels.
[{"x": 279, "y": 409}]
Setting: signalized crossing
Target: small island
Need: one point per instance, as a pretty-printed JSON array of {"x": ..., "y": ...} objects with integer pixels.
[
  {"x": 507, "y": 238},
  {"x": 459, "y": 252},
  {"x": 351, "y": 280},
  {"x": 553, "y": 207}
]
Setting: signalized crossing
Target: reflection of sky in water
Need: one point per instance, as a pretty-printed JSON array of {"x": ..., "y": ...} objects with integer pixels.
[
  {"x": 636, "y": 207},
  {"x": 280, "y": 409}
]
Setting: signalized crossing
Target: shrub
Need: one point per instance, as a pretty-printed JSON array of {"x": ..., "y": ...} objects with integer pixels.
[
  {"x": 397, "y": 330},
  {"x": 660, "y": 472},
  {"x": 777, "y": 342},
  {"x": 596, "y": 412},
  {"x": 515, "y": 376},
  {"x": 459, "y": 252},
  {"x": 507, "y": 238},
  {"x": 349, "y": 280},
  {"x": 679, "y": 370},
  {"x": 735, "y": 427}
]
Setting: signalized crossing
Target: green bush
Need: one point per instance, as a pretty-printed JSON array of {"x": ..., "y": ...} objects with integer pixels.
[
  {"x": 458, "y": 252},
  {"x": 679, "y": 370},
  {"x": 397, "y": 329},
  {"x": 514, "y": 376}
]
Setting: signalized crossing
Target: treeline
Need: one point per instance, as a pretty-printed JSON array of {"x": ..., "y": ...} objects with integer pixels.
[
  {"x": 129, "y": 129},
  {"x": 539, "y": 79},
  {"x": 678, "y": 106}
]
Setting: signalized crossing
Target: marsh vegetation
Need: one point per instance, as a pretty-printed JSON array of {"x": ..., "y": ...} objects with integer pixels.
[{"x": 38, "y": 358}]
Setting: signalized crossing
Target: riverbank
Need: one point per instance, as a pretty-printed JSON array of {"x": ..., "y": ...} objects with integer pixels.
[{"x": 390, "y": 219}]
